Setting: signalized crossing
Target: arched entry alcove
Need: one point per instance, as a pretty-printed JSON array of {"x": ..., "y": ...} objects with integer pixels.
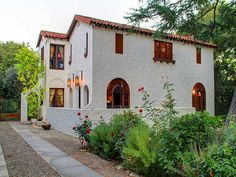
[
  {"x": 199, "y": 97},
  {"x": 86, "y": 95},
  {"x": 118, "y": 94}
]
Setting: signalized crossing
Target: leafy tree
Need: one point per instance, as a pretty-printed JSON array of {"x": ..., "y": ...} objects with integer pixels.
[
  {"x": 209, "y": 20},
  {"x": 30, "y": 71},
  {"x": 8, "y": 51},
  {"x": 10, "y": 84}
]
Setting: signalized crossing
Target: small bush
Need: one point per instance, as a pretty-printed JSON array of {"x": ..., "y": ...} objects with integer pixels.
[
  {"x": 102, "y": 141},
  {"x": 107, "y": 140},
  {"x": 83, "y": 129},
  {"x": 219, "y": 161},
  {"x": 139, "y": 152},
  {"x": 191, "y": 131}
]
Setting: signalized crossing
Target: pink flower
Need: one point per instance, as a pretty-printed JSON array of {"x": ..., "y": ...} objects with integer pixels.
[
  {"x": 86, "y": 116},
  {"x": 140, "y": 110},
  {"x": 88, "y": 131},
  {"x": 78, "y": 114}
]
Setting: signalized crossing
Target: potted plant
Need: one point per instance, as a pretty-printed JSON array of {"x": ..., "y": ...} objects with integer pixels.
[{"x": 46, "y": 126}]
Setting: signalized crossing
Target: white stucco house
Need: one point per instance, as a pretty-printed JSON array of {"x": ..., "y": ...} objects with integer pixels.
[{"x": 98, "y": 66}]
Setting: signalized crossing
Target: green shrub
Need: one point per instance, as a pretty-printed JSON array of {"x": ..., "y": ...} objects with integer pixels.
[
  {"x": 102, "y": 141},
  {"x": 216, "y": 160},
  {"x": 191, "y": 131},
  {"x": 219, "y": 161},
  {"x": 139, "y": 152},
  {"x": 107, "y": 140}
]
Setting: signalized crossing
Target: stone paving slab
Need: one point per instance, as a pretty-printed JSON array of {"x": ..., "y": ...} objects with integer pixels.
[
  {"x": 3, "y": 167},
  {"x": 63, "y": 164}
]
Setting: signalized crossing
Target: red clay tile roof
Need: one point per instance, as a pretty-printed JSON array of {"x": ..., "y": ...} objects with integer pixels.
[
  {"x": 122, "y": 27},
  {"x": 189, "y": 39},
  {"x": 51, "y": 34}
]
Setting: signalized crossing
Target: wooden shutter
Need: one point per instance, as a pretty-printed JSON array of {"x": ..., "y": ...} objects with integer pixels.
[
  {"x": 162, "y": 51},
  {"x": 168, "y": 51},
  {"x": 156, "y": 48},
  {"x": 198, "y": 55},
  {"x": 119, "y": 43}
]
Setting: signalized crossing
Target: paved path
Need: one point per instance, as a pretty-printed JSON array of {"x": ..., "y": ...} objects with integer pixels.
[
  {"x": 3, "y": 167},
  {"x": 63, "y": 164}
]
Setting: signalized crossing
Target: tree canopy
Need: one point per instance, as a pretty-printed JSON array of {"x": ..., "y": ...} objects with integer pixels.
[
  {"x": 209, "y": 20},
  {"x": 9, "y": 85},
  {"x": 30, "y": 71}
]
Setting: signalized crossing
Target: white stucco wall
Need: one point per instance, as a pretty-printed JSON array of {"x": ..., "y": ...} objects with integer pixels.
[
  {"x": 63, "y": 119},
  {"x": 137, "y": 68},
  {"x": 54, "y": 78},
  {"x": 80, "y": 62}
]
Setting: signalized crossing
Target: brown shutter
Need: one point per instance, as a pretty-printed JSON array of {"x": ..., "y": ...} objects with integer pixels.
[
  {"x": 169, "y": 51},
  {"x": 198, "y": 55},
  {"x": 119, "y": 43},
  {"x": 156, "y": 48}
]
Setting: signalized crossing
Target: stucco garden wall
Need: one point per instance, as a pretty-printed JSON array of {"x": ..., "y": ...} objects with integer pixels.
[{"x": 63, "y": 119}]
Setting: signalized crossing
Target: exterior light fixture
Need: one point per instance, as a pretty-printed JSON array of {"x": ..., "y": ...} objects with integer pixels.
[
  {"x": 69, "y": 82},
  {"x": 193, "y": 91},
  {"x": 77, "y": 83}
]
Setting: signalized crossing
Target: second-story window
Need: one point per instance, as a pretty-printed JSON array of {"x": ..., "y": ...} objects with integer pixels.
[
  {"x": 162, "y": 51},
  {"x": 56, "y": 56},
  {"x": 119, "y": 43},
  {"x": 198, "y": 55}
]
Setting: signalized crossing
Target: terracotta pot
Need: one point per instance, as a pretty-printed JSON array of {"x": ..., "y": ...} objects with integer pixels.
[{"x": 46, "y": 126}]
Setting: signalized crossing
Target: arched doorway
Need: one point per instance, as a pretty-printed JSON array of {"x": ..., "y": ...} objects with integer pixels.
[
  {"x": 118, "y": 94},
  {"x": 199, "y": 97},
  {"x": 86, "y": 95}
]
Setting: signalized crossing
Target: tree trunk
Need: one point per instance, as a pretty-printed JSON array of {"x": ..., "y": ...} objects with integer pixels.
[{"x": 232, "y": 108}]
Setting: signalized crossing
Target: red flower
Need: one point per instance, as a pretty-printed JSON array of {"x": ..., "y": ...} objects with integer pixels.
[
  {"x": 88, "y": 131},
  {"x": 140, "y": 110},
  {"x": 141, "y": 89},
  {"x": 86, "y": 116},
  {"x": 112, "y": 134},
  {"x": 74, "y": 128},
  {"x": 78, "y": 114}
]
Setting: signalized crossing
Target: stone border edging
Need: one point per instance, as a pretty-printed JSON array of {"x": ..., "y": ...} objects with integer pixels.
[{"x": 3, "y": 166}]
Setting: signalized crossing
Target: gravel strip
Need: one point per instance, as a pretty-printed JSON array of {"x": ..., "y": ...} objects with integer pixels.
[
  {"x": 72, "y": 147},
  {"x": 21, "y": 159}
]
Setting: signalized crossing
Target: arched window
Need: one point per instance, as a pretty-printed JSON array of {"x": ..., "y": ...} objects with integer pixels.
[
  {"x": 199, "y": 97},
  {"x": 118, "y": 94},
  {"x": 86, "y": 95}
]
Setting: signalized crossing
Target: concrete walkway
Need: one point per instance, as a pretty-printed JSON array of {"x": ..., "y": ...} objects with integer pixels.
[
  {"x": 63, "y": 164},
  {"x": 3, "y": 167}
]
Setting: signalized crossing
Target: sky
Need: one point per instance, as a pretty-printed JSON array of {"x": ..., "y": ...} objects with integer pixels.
[{"x": 22, "y": 20}]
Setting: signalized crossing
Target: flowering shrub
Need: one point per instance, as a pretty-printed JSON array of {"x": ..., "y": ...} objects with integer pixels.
[
  {"x": 160, "y": 117},
  {"x": 107, "y": 139},
  {"x": 83, "y": 129}
]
